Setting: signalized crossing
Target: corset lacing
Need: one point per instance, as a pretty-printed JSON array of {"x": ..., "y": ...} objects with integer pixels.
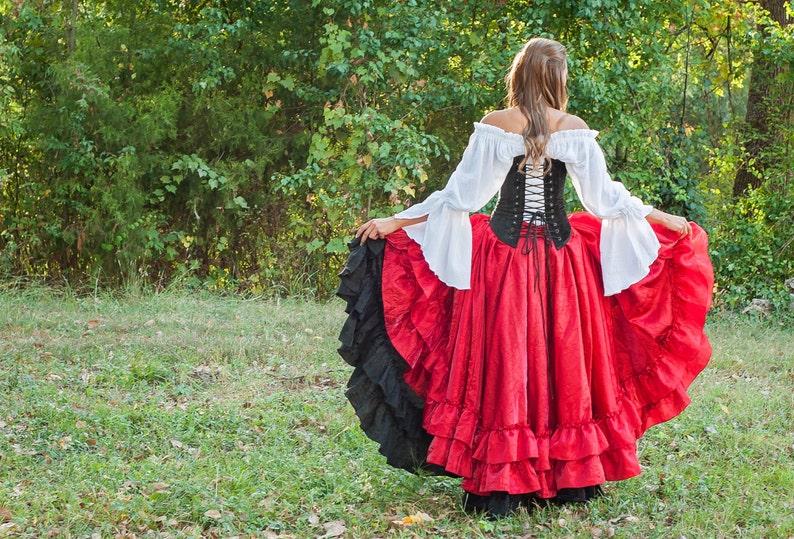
[
  {"x": 534, "y": 201},
  {"x": 533, "y": 230}
]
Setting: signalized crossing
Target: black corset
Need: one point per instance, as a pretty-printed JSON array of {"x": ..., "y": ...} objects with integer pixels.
[{"x": 507, "y": 218}]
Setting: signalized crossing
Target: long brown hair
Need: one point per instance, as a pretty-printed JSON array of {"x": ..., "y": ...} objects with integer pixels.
[{"x": 537, "y": 79}]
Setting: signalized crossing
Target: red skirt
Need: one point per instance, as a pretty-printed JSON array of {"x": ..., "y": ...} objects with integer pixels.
[{"x": 533, "y": 380}]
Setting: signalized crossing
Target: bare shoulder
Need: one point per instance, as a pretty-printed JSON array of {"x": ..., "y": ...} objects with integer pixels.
[
  {"x": 509, "y": 120},
  {"x": 568, "y": 121},
  {"x": 513, "y": 121}
]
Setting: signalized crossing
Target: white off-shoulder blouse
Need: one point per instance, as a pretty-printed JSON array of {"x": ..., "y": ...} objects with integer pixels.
[{"x": 628, "y": 243}]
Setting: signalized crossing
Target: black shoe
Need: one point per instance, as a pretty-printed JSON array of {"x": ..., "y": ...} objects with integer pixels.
[
  {"x": 593, "y": 492},
  {"x": 502, "y": 504},
  {"x": 570, "y": 495},
  {"x": 474, "y": 503},
  {"x": 497, "y": 505},
  {"x": 577, "y": 495}
]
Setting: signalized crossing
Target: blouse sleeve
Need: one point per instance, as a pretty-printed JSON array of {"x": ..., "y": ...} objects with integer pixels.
[
  {"x": 446, "y": 237},
  {"x": 628, "y": 243}
]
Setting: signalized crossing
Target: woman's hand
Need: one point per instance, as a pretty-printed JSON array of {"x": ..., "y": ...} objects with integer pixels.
[
  {"x": 375, "y": 229},
  {"x": 675, "y": 223}
]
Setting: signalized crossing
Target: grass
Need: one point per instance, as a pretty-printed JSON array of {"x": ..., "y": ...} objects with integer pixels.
[{"x": 176, "y": 415}]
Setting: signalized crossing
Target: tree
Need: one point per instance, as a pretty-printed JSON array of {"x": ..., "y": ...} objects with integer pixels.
[
  {"x": 767, "y": 103},
  {"x": 236, "y": 144}
]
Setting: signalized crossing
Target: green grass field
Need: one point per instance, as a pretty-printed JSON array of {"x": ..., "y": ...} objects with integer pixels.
[{"x": 199, "y": 416}]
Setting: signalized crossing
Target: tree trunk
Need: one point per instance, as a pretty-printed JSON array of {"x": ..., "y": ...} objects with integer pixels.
[
  {"x": 761, "y": 108},
  {"x": 71, "y": 42}
]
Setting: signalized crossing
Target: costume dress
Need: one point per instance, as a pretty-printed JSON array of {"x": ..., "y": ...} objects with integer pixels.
[{"x": 528, "y": 368}]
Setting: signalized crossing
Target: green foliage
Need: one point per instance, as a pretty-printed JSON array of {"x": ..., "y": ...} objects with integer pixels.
[
  {"x": 753, "y": 247},
  {"x": 237, "y": 145},
  {"x": 752, "y": 240}
]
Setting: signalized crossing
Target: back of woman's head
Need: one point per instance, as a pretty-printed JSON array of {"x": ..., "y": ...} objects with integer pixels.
[
  {"x": 538, "y": 75},
  {"x": 536, "y": 81}
]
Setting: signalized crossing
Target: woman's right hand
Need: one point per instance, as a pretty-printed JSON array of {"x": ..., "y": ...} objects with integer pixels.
[
  {"x": 675, "y": 223},
  {"x": 376, "y": 229}
]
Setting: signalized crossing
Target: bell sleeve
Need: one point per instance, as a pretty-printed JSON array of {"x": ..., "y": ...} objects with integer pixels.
[
  {"x": 446, "y": 237},
  {"x": 628, "y": 243}
]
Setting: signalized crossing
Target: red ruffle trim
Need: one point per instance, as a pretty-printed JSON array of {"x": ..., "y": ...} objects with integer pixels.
[
  {"x": 640, "y": 350},
  {"x": 668, "y": 347}
]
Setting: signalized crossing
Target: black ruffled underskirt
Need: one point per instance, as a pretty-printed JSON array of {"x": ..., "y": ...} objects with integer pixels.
[{"x": 389, "y": 410}]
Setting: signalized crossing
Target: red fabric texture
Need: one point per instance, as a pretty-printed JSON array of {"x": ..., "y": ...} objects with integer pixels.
[{"x": 532, "y": 379}]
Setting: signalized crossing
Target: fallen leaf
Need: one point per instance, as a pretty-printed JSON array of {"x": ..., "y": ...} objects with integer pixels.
[
  {"x": 149, "y": 323},
  {"x": 5, "y": 514},
  {"x": 6, "y": 528},
  {"x": 213, "y": 513},
  {"x": 92, "y": 324},
  {"x": 410, "y": 520},
  {"x": 177, "y": 444},
  {"x": 202, "y": 370},
  {"x": 160, "y": 487},
  {"x": 333, "y": 529},
  {"x": 620, "y": 518}
]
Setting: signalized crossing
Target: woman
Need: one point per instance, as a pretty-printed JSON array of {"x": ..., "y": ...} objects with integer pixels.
[{"x": 525, "y": 352}]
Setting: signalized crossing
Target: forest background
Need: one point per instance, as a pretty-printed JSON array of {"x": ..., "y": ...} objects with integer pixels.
[{"x": 235, "y": 145}]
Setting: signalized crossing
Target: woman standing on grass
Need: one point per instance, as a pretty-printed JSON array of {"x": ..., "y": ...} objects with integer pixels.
[{"x": 525, "y": 351}]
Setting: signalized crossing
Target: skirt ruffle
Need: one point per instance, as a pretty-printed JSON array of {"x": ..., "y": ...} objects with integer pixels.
[
  {"x": 390, "y": 412},
  {"x": 532, "y": 380}
]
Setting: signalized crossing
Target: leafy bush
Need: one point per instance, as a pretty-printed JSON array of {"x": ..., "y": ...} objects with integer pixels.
[
  {"x": 237, "y": 145},
  {"x": 752, "y": 247}
]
